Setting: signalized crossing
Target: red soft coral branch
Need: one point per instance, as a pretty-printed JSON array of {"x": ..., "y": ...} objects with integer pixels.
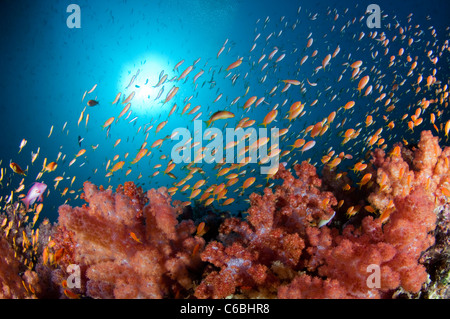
[{"x": 273, "y": 233}]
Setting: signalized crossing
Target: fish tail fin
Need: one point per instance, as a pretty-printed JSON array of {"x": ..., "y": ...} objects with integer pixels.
[{"x": 208, "y": 123}]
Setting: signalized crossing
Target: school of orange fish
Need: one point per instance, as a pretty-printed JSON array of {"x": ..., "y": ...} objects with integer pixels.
[{"x": 383, "y": 89}]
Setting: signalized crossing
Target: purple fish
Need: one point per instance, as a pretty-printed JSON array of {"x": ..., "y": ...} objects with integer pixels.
[{"x": 36, "y": 192}]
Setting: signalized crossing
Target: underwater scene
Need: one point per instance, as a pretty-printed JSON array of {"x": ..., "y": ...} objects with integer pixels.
[{"x": 209, "y": 149}]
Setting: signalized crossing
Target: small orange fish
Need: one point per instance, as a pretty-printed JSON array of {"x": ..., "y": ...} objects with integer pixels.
[
  {"x": 108, "y": 122},
  {"x": 129, "y": 98},
  {"x": 134, "y": 237},
  {"x": 270, "y": 117},
  {"x": 160, "y": 126},
  {"x": 139, "y": 155},
  {"x": 195, "y": 193},
  {"x": 201, "y": 229},
  {"x": 228, "y": 201},
  {"x": 309, "y": 145},
  {"x": 366, "y": 178},
  {"x": 117, "y": 166},
  {"x": 335, "y": 162},
  {"x": 195, "y": 250},
  {"x": 50, "y": 167},
  {"x": 117, "y": 98},
  {"x": 185, "y": 72},
  {"x": 80, "y": 153},
  {"x": 71, "y": 295},
  {"x": 234, "y": 64},
  {"x": 171, "y": 94},
  {"x": 326, "y": 60},
  {"x": 356, "y": 65},
  {"x": 17, "y": 169},
  {"x": 293, "y": 82},
  {"x": 362, "y": 83},
  {"x": 219, "y": 115},
  {"x": 249, "y": 102},
  {"x": 124, "y": 110},
  {"x": 349, "y": 105},
  {"x": 248, "y": 182}
]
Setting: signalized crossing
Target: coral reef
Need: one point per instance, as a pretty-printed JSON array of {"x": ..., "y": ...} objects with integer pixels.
[
  {"x": 274, "y": 231},
  {"x": 20, "y": 248},
  {"x": 10, "y": 281},
  {"x": 425, "y": 166},
  {"x": 406, "y": 195},
  {"x": 126, "y": 250},
  {"x": 291, "y": 243},
  {"x": 394, "y": 249}
]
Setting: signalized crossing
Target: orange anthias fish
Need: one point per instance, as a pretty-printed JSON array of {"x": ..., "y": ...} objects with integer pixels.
[
  {"x": 108, "y": 122},
  {"x": 17, "y": 169},
  {"x": 219, "y": 115},
  {"x": 80, "y": 152},
  {"x": 139, "y": 155},
  {"x": 308, "y": 146},
  {"x": 234, "y": 64},
  {"x": 293, "y": 82},
  {"x": 171, "y": 94},
  {"x": 270, "y": 117},
  {"x": 50, "y": 167},
  {"x": 117, "y": 166},
  {"x": 363, "y": 82},
  {"x": 135, "y": 238},
  {"x": 185, "y": 72}
]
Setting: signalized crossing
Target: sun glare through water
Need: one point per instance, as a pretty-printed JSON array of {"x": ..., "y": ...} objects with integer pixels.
[{"x": 142, "y": 77}]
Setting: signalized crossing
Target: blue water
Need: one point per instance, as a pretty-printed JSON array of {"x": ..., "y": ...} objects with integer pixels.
[{"x": 46, "y": 67}]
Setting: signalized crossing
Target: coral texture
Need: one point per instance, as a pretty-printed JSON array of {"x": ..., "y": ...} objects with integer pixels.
[
  {"x": 293, "y": 242},
  {"x": 128, "y": 250},
  {"x": 285, "y": 231},
  {"x": 426, "y": 166},
  {"x": 394, "y": 249},
  {"x": 10, "y": 281},
  {"x": 274, "y": 231}
]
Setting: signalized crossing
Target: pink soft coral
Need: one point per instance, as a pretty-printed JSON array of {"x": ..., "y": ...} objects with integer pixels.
[
  {"x": 273, "y": 233},
  {"x": 131, "y": 251},
  {"x": 426, "y": 166}
]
